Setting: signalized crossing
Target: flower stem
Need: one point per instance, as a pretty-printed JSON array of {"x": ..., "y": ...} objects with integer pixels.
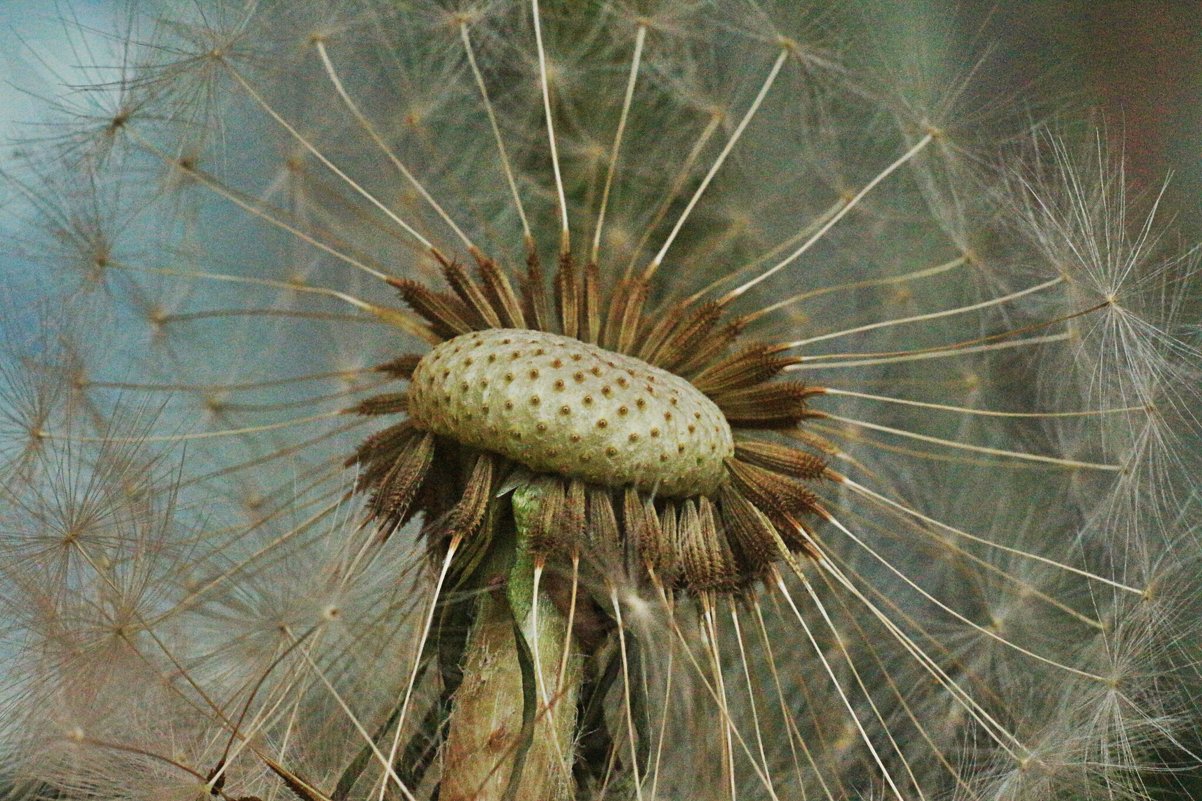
[{"x": 512, "y": 729}]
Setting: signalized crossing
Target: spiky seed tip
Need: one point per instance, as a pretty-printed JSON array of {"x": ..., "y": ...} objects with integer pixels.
[{"x": 556, "y": 404}]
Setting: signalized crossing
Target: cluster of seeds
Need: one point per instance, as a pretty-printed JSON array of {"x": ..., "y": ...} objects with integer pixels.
[{"x": 656, "y": 439}]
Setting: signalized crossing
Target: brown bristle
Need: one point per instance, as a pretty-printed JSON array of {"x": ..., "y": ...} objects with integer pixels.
[
  {"x": 545, "y": 537},
  {"x": 670, "y": 535},
  {"x": 780, "y": 459},
  {"x": 397, "y": 489},
  {"x": 642, "y": 526},
  {"x": 694, "y": 568},
  {"x": 696, "y": 324},
  {"x": 447, "y": 315},
  {"x": 613, "y": 315},
  {"x": 567, "y": 297},
  {"x": 438, "y": 493},
  {"x": 818, "y": 443},
  {"x": 573, "y": 521},
  {"x": 784, "y": 500},
  {"x": 708, "y": 349},
  {"x": 750, "y": 529},
  {"x": 472, "y": 297},
  {"x": 751, "y": 365},
  {"x": 386, "y": 403},
  {"x": 727, "y": 576},
  {"x": 707, "y": 565},
  {"x": 591, "y": 304},
  {"x": 465, "y": 516},
  {"x": 500, "y": 293},
  {"x": 376, "y": 454},
  {"x": 534, "y": 295},
  {"x": 657, "y": 328},
  {"x": 625, "y": 316},
  {"x": 773, "y": 405},
  {"x": 604, "y": 539},
  {"x": 401, "y": 367}
]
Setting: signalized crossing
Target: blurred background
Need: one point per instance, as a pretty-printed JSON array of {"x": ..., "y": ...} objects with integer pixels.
[
  {"x": 1130, "y": 68},
  {"x": 1137, "y": 63},
  {"x": 1133, "y": 66}
]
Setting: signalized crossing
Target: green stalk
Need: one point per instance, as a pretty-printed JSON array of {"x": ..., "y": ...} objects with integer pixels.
[{"x": 504, "y": 743}]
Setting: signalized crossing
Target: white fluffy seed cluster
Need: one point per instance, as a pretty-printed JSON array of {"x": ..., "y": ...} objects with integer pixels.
[{"x": 556, "y": 404}]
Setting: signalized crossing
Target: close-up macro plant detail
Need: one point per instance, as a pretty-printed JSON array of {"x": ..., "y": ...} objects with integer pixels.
[{"x": 603, "y": 400}]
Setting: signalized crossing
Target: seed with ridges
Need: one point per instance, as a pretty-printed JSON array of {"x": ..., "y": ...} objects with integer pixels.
[{"x": 590, "y": 433}]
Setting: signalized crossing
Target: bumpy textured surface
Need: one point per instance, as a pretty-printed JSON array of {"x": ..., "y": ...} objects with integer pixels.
[{"x": 556, "y": 404}]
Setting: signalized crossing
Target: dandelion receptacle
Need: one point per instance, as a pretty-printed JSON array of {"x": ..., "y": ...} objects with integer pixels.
[{"x": 537, "y": 400}]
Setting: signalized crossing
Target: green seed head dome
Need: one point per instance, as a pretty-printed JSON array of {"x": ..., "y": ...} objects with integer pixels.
[{"x": 558, "y": 405}]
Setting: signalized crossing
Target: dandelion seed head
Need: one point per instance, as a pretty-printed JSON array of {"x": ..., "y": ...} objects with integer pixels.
[{"x": 258, "y": 534}]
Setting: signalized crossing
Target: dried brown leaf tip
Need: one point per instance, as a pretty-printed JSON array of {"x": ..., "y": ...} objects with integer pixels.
[{"x": 659, "y": 416}]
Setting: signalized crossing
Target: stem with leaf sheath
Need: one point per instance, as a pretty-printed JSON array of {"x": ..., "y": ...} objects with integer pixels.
[{"x": 505, "y": 740}]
